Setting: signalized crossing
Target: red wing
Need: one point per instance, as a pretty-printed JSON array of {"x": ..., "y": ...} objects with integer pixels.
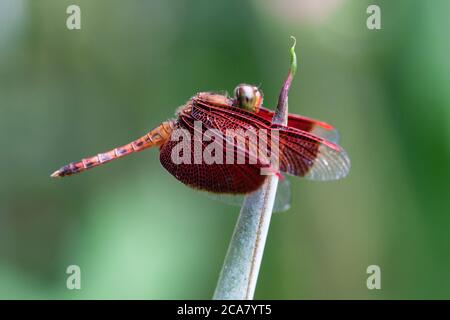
[
  {"x": 319, "y": 128},
  {"x": 264, "y": 119},
  {"x": 217, "y": 178},
  {"x": 202, "y": 109},
  {"x": 235, "y": 119},
  {"x": 310, "y": 156},
  {"x": 300, "y": 153}
]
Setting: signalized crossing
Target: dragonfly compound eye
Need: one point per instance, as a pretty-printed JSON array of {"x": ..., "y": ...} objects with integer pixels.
[{"x": 248, "y": 97}]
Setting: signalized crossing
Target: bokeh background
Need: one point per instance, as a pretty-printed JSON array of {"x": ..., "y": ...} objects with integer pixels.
[{"x": 138, "y": 233}]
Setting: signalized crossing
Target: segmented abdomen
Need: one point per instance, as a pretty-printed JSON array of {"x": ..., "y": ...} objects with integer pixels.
[{"x": 155, "y": 137}]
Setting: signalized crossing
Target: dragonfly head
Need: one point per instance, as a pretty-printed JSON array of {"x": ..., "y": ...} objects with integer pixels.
[{"x": 248, "y": 97}]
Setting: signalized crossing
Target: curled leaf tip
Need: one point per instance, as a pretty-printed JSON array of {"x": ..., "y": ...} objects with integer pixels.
[
  {"x": 295, "y": 41},
  {"x": 293, "y": 68}
]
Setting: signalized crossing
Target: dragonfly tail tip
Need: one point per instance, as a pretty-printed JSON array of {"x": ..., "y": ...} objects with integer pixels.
[{"x": 55, "y": 174}]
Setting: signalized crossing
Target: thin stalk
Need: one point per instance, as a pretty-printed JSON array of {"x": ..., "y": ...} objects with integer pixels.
[{"x": 240, "y": 269}]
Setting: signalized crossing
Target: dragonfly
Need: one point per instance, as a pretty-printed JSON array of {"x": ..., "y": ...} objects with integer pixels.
[{"x": 305, "y": 147}]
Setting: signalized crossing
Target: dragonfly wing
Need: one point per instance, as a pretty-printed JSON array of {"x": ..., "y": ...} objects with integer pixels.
[
  {"x": 282, "y": 199},
  {"x": 310, "y": 156},
  {"x": 317, "y": 127},
  {"x": 302, "y": 153},
  {"x": 213, "y": 177},
  {"x": 245, "y": 126}
]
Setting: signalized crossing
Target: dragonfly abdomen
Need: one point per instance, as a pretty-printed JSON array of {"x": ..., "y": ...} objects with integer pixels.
[{"x": 156, "y": 137}]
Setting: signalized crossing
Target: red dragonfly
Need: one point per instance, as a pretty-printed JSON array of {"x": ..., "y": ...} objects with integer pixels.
[{"x": 306, "y": 147}]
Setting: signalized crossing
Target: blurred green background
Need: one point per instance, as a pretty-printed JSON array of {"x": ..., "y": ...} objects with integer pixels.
[{"x": 136, "y": 232}]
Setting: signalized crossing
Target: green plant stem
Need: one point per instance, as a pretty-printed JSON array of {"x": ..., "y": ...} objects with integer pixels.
[{"x": 240, "y": 270}]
